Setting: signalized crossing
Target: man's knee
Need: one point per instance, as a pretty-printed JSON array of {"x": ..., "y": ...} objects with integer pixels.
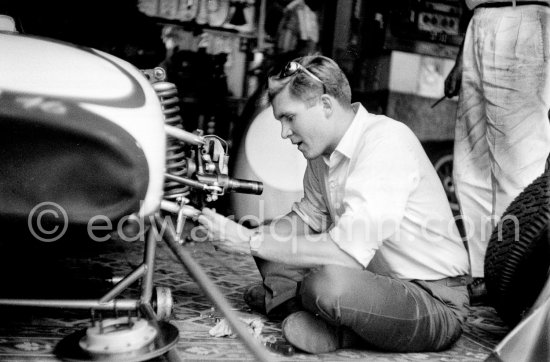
[{"x": 323, "y": 288}]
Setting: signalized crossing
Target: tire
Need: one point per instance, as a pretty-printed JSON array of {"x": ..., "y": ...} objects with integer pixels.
[{"x": 518, "y": 260}]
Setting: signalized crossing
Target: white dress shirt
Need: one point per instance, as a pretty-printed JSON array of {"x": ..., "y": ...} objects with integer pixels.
[{"x": 381, "y": 201}]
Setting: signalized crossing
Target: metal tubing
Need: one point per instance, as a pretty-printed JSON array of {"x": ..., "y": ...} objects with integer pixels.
[
  {"x": 184, "y": 136},
  {"x": 170, "y": 206},
  {"x": 211, "y": 291},
  {"x": 121, "y": 304},
  {"x": 174, "y": 208},
  {"x": 148, "y": 261},
  {"x": 123, "y": 284},
  {"x": 149, "y": 313},
  {"x": 186, "y": 181}
]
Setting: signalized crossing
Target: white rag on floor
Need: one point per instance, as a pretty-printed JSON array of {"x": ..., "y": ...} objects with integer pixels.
[{"x": 253, "y": 322}]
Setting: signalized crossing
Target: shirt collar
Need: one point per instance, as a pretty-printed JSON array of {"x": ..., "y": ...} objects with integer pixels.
[{"x": 353, "y": 134}]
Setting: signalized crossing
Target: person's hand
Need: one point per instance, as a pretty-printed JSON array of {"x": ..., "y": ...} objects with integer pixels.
[
  {"x": 224, "y": 233},
  {"x": 454, "y": 80}
]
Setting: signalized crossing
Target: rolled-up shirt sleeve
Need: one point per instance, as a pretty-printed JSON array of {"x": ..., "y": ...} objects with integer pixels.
[
  {"x": 379, "y": 182},
  {"x": 312, "y": 208}
]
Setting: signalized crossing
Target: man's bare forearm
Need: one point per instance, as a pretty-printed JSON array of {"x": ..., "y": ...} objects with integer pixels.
[
  {"x": 290, "y": 224},
  {"x": 308, "y": 250}
]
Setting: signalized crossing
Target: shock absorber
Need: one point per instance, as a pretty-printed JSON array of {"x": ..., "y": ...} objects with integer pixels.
[{"x": 176, "y": 163}]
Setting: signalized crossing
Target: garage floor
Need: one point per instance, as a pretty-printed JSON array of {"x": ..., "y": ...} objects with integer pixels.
[{"x": 81, "y": 271}]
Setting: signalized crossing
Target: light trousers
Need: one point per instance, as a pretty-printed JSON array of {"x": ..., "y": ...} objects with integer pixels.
[{"x": 502, "y": 135}]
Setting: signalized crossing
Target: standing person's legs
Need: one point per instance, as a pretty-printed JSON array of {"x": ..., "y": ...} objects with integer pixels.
[
  {"x": 516, "y": 82},
  {"x": 472, "y": 165},
  {"x": 386, "y": 313},
  {"x": 502, "y": 136}
]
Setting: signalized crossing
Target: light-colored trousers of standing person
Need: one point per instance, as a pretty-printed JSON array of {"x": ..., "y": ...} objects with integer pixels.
[{"x": 502, "y": 136}]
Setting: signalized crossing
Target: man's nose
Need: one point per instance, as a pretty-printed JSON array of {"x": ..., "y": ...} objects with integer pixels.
[{"x": 285, "y": 131}]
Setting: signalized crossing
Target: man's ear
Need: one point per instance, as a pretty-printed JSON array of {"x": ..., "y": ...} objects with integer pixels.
[{"x": 328, "y": 104}]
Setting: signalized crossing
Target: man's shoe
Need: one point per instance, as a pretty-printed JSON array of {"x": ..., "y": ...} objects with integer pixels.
[
  {"x": 314, "y": 335},
  {"x": 478, "y": 292},
  {"x": 254, "y": 297}
]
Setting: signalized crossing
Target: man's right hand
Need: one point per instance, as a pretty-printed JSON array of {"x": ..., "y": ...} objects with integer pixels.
[
  {"x": 225, "y": 233},
  {"x": 454, "y": 80}
]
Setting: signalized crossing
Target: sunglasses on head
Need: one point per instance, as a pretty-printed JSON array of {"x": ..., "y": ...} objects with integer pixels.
[{"x": 292, "y": 68}]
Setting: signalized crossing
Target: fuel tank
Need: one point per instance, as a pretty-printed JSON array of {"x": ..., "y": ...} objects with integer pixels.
[{"x": 79, "y": 129}]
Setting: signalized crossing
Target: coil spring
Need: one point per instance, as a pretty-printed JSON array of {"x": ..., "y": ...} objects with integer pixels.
[{"x": 176, "y": 164}]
